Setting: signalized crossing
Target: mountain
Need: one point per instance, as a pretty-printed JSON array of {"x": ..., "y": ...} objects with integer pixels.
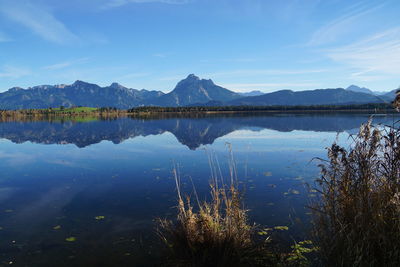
[
  {"x": 358, "y": 89},
  {"x": 77, "y": 94},
  {"x": 390, "y": 96},
  {"x": 193, "y": 90},
  {"x": 251, "y": 93},
  {"x": 310, "y": 97},
  {"x": 382, "y": 94}
]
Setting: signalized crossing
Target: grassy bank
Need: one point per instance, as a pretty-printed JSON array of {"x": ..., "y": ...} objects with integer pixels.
[{"x": 79, "y": 114}]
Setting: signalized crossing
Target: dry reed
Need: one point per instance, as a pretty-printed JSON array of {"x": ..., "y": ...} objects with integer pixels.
[
  {"x": 214, "y": 233},
  {"x": 357, "y": 219}
]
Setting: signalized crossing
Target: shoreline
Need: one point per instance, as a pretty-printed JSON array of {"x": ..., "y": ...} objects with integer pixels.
[{"x": 85, "y": 112}]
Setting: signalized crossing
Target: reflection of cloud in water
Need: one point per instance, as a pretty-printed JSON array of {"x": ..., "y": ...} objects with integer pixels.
[
  {"x": 45, "y": 208},
  {"x": 70, "y": 164},
  {"x": 137, "y": 150},
  {"x": 290, "y": 149},
  {"x": 271, "y": 134},
  {"x": 17, "y": 158}
]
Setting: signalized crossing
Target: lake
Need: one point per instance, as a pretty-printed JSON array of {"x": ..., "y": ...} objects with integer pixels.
[{"x": 86, "y": 192}]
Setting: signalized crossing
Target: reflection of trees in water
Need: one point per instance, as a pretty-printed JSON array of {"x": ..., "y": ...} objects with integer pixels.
[{"x": 190, "y": 131}]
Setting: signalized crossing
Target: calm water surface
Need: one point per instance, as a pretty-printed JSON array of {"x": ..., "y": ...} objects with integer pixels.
[{"x": 101, "y": 183}]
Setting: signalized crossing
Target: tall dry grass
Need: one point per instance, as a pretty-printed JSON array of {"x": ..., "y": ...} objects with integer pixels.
[
  {"x": 213, "y": 233},
  {"x": 357, "y": 219}
]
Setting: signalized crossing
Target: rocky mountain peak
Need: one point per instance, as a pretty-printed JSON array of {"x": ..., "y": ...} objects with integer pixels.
[
  {"x": 359, "y": 89},
  {"x": 192, "y": 77},
  {"x": 15, "y": 89},
  {"x": 117, "y": 86},
  {"x": 80, "y": 83}
]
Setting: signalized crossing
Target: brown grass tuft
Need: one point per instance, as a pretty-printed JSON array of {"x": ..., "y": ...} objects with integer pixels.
[{"x": 217, "y": 233}]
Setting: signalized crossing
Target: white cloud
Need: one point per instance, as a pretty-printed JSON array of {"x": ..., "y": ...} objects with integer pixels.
[
  {"x": 13, "y": 72},
  {"x": 37, "y": 19},
  {"x": 66, "y": 64},
  {"x": 118, "y": 3},
  {"x": 373, "y": 58},
  {"x": 336, "y": 28}
]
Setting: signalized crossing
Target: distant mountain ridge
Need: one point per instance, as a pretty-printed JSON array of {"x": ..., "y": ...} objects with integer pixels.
[
  {"x": 191, "y": 91},
  {"x": 77, "y": 94},
  {"x": 358, "y": 89},
  {"x": 252, "y": 93},
  {"x": 338, "y": 96}
]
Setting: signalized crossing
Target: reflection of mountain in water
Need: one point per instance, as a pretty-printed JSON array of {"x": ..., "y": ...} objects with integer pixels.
[{"x": 191, "y": 132}]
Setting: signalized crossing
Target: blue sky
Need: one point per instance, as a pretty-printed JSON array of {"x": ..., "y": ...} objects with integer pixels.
[{"x": 241, "y": 44}]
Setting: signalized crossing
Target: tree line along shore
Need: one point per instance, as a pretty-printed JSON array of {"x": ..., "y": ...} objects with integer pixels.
[{"x": 111, "y": 111}]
